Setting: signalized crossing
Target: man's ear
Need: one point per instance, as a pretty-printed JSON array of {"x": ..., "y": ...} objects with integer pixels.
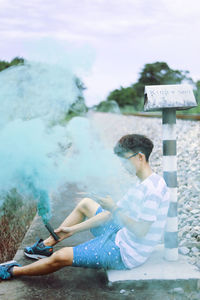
[{"x": 141, "y": 156}]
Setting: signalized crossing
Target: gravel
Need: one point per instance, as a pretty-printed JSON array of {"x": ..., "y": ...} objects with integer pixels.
[{"x": 112, "y": 126}]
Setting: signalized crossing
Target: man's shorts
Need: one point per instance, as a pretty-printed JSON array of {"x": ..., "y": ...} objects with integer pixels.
[{"x": 100, "y": 252}]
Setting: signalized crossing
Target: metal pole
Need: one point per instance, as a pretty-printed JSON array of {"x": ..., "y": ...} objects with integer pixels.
[{"x": 170, "y": 176}]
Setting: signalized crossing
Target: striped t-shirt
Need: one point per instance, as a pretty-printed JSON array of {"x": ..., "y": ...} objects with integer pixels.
[{"x": 147, "y": 201}]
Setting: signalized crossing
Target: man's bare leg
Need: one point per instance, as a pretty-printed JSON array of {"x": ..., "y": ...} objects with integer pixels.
[
  {"x": 85, "y": 208},
  {"x": 58, "y": 260}
]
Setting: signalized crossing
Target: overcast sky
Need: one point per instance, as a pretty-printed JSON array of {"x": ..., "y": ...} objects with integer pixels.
[{"x": 121, "y": 35}]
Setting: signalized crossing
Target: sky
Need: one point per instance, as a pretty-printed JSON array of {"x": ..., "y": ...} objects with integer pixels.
[{"x": 119, "y": 36}]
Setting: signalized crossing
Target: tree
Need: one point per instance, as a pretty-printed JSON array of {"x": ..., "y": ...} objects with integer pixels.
[
  {"x": 124, "y": 96},
  {"x": 160, "y": 73},
  {"x": 197, "y": 96},
  {"x": 152, "y": 74},
  {"x": 4, "y": 65},
  {"x": 197, "y": 91},
  {"x": 78, "y": 107},
  {"x": 107, "y": 106},
  {"x": 15, "y": 61}
]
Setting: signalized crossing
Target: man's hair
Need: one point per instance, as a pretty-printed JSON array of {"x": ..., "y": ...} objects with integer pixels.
[{"x": 134, "y": 143}]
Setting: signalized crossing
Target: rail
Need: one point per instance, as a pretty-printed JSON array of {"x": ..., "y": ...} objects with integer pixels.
[{"x": 194, "y": 117}]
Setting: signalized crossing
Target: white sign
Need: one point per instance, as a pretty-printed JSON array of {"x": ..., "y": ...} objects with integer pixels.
[{"x": 179, "y": 96}]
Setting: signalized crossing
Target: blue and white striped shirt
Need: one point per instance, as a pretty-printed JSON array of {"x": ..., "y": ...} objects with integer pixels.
[{"x": 147, "y": 201}]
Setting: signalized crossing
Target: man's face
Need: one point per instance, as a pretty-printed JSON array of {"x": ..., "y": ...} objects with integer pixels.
[{"x": 130, "y": 162}]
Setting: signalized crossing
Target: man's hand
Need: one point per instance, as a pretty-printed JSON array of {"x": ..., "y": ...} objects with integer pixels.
[
  {"x": 64, "y": 232},
  {"x": 107, "y": 203}
]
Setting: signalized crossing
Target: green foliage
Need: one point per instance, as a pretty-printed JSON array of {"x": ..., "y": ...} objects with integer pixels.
[
  {"x": 4, "y": 65},
  {"x": 68, "y": 117},
  {"x": 107, "y": 106},
  {"x": 77, "y": 108},
  {"x": 11, "y": 204},
  {"x": 80, "y": 85},
  {"x": 197, "y": 91},
  {"x": 195, "y": 110},
  {"x": 128, "y": 109},
  {"x": 132, "y": 98},
  {"x": 15, "y": 61},
  {"x": 160, "y": 73},
  {"x": 124, "y": 96},
  {"x": 16, "y": 216}
]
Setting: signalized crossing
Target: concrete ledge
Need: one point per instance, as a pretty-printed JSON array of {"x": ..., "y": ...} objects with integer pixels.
[{"x": 158, "y": 269}]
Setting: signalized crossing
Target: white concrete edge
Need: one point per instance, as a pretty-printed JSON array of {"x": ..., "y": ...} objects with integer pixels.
[{"x": 157, "y": 268}]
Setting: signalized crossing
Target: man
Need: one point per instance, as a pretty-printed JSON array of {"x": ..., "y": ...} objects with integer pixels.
[{"x": 125, "y": 232}]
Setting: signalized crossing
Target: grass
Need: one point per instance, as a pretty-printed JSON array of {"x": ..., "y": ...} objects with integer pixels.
[
  {"x": 128, "y": 109},
  {"x": 16, "y": 217},
  {"x": 194, "y": 110}
]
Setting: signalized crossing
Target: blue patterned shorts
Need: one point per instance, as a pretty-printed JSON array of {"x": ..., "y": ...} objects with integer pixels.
[{"x": 100, "y": 252}]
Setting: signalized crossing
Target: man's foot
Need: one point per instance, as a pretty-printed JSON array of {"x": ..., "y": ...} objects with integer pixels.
[
  {"x": 6, "y": 269},
  {"x": 38, "y": 250}
]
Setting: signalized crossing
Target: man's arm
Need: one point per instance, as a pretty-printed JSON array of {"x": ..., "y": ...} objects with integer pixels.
[
  {"x": 139, "y": 228},
  {"x": 90, "y": 223}
]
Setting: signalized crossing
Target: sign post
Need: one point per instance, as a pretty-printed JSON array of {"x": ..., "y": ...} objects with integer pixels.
[{"x": 168, "y": 99}]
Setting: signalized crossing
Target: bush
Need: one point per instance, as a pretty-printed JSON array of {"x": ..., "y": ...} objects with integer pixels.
[
  {"x": 107, "y": 106},
  {"x": 15, "y": 219}
]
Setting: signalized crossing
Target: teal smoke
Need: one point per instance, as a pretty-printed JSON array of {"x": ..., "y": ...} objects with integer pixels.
[{"x": 37, "y": 154}]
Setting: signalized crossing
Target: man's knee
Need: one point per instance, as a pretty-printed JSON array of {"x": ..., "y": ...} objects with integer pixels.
[
  {"x": 84, "y": 203},
  {"x": 88, "y": 206},
  {"x": 62, "y": 257}
]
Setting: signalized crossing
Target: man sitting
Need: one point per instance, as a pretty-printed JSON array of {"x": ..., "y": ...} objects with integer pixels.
[{"x": 125, "y": 232}]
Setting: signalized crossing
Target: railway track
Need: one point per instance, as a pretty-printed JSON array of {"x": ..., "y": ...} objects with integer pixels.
[{"x": 194, "y": 117}]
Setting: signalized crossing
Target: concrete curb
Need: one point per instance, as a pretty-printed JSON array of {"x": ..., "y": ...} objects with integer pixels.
[{"x": 158, "y": 271}]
